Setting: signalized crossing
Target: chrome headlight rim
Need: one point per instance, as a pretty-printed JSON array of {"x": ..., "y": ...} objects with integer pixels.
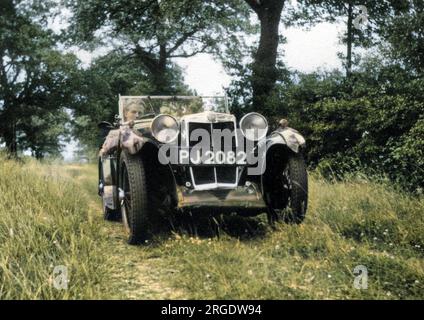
[
  {"x": 258, "y": 115},
  {"x": 155, "y": 119}
]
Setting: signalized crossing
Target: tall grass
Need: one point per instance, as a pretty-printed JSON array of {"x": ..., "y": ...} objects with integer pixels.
[
  {"x": 350, "y": 223},
  {"x": 50, "y": 216},
  {"x": 44, "y": 223}
]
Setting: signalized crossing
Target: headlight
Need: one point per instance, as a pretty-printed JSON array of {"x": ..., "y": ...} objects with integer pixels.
[
  {"x": 165, "y": 128},
  {"x": 254, "y": 126}
]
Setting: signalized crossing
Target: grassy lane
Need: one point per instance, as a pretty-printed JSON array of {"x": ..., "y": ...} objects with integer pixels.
[
  {"x": 132, "y": 272},
  {"x": 50, "y": 215},
  {"x": 44, "y": 223}
]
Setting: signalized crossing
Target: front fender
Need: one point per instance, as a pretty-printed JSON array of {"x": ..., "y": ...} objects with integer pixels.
[{"x": 287, "y": 136}]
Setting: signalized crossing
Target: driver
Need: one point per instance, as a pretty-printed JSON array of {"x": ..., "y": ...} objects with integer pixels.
[{"x": 132, "y": 111}]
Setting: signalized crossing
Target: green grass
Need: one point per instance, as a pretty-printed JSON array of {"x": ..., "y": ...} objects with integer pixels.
[
  {"x": 349, "y": 224},
  {"x": 44, "y": 223},
  {"x": 50, "y": 215}
]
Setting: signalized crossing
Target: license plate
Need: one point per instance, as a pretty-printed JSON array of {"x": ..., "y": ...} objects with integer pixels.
[{"x": 212, "y": 157}]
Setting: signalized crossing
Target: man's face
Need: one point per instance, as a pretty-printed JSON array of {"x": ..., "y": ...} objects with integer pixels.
[{"x": 133, "y": 113}]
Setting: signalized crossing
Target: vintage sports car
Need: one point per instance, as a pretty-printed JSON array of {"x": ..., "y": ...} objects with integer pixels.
[{"x": 167, "y": 154}]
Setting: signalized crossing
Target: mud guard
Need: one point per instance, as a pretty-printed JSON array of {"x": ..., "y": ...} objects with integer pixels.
[{"x": 287, "y": 136}]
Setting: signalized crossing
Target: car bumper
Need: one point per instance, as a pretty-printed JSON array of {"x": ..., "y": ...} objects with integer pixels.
[{"x": 240, "y": 197}]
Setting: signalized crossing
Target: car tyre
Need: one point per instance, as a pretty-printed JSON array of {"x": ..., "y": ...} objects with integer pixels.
[
  {"x": 135, "y": 202},
  {"x": 297, "y": 178},
  {"x": 287, "y": 199}
]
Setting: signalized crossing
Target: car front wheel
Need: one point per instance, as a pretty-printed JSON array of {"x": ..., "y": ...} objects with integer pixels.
[
  {"x": 133, "y": 197},
  {"x": 289, "y": 198}
]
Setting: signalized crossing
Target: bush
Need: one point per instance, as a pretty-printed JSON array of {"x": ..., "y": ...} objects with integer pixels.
[{"x": 372, "y": 122}]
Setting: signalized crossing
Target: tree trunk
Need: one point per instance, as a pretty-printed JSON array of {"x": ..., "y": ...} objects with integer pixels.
[
  {"x": 157, "y": 68},
  {"x": 349, "y": 40},
  {"x": 160, "y": 80},
  {"x": 10, "y": 140},
  {"x": 39, "y": 155},
  {"x": 264, "y": 71}
]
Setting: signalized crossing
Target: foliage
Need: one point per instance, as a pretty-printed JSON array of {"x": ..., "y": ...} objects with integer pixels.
[
  {"x": 365, "y": 20},
  {"x": 108, "y": 77},
  {"x": 405, "y": 36},
  {"x": 153, "y": 32},
  {"x": 263, "y": 67},
  {"x": 36, "y": 80},
  {"x": 372, "y": 121}
]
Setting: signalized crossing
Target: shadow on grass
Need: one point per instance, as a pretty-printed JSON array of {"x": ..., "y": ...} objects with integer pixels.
[
  {"x": 216, "y": 225},
  {"x": 206, "y": 225}
]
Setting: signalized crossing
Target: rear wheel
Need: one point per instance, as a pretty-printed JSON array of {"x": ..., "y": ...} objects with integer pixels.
[{"x": 134, "y": 198}]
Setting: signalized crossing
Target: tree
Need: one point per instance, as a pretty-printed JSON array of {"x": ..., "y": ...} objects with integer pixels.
[
  {"x": 264, "y": 71},
  {"x": 405, "y": 35},
  {"x": 373, "y": 124},
  {"x": 106, "y": 78},
  {"x": 35, "y": 80},
  {"x": 154, "y": 32},
  {"x": 365, "y": 20}
]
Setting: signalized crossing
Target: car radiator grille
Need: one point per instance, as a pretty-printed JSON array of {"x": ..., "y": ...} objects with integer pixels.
[{"x": 220, "y": 175}]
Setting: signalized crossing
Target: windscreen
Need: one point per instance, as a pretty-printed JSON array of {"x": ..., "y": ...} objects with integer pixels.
[{"x": 136, "y": 108}]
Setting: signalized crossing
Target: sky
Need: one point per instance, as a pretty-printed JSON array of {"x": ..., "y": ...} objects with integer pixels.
[{"x": 305, "y": 50}]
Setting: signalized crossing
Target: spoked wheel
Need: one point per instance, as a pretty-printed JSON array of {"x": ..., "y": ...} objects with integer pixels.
[
  {"x": 289, "y": 198},
  {"x": 133, "y": 198}
]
